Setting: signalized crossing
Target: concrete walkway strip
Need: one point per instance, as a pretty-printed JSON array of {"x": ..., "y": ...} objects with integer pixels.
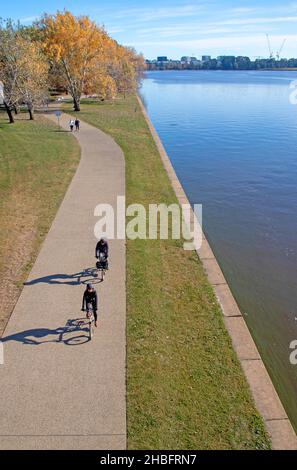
[
  {"x": 267, "y": 401},
  {"x": 59, "y": 390}
]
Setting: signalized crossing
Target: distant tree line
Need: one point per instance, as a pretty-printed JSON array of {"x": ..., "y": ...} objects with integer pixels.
[{"x": 64, "y": 53}]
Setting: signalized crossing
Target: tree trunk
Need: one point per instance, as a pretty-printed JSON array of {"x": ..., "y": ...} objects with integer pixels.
[
  {"x": 9, "y": 113},
  {"x": 76, "y": 104},
  {"x": 31, "y": 113}
]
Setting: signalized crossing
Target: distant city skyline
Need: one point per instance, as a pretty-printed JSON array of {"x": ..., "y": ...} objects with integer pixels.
[
  {"x": 223, "y": 62},
  {"x": 176, "y": 28},
  {"x": 200, "y": 56}
]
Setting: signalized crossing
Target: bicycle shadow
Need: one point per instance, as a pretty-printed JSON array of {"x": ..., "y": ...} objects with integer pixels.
[
  {"x": 37, "y": 336},
  {"x": 82, "y": 277}
]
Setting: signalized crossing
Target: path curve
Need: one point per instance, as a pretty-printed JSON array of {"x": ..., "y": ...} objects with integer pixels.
[{"x": 55, "y": 393}]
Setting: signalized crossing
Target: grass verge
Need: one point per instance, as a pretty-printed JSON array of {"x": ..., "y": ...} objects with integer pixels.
[
  {"x": 36, "y": 167},
  {"x": 186, "y": 388}
]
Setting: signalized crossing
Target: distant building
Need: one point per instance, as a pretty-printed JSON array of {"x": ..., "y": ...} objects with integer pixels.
[
  {"x": 185, "y": 59},
  {"x": 292, "y": 63},
  {"x": 243, "y": 63},
  {"x": 162, "y": 58},
  {"x": 226, "y": 61},
  {"x": 195, "y": 62},
  {"x": 173, "y": 65}
]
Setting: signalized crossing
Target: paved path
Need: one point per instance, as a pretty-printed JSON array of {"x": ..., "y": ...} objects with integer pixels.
[{"x": 57, "y": 390}]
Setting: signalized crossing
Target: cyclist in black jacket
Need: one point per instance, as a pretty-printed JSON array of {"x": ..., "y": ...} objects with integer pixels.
[
  {"x": 101, "y": 251},
  {"x": 90, "y": 300},
  {"x": 102, "y": 247}
]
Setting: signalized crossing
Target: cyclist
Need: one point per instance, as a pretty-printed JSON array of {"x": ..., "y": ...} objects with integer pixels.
[
  {"x": 101, "y": 251},
  {"x": 90, "y": 301}
]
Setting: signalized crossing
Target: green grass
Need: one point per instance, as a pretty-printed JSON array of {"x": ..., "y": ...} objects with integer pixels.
[
  {"x": 36, "y": 167},
  {"x": 186, "y": 388}
]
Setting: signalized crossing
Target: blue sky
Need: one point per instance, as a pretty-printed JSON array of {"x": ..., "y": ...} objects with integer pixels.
[{"x": 181, "y": 27}]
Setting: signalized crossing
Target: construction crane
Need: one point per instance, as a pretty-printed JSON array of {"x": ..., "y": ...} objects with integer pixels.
[
  {"x": 280, "y": 49},
  {"x": 269, "y": 47},
  {"x": 278, "y": 53}
]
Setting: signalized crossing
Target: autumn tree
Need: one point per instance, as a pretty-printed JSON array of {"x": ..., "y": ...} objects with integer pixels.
[
  {"x": 73, "y": 43},
  {"x": 90, "y": 61},
  {"x": 57, "y": 80},
  {"x": 32, "y": 81},
  {"x": 23, "y": 71},
  {"x": 100, "y": 81},
  {"x": 80, "y": 58},
  {"x": 9, "y": 70},
  {"x": 126, "y": 69},
  {"x": 104, "y": 87}
]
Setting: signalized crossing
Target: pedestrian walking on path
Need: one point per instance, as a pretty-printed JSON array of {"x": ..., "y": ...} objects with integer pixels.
[
  {"x": 71, "y": 125},
  {"x": 77, "y": 124}
]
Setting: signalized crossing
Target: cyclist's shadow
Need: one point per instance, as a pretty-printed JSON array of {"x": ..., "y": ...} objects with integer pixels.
[
  {"x": 82, "y": 277},
  {"x": 38, "y": 336}
]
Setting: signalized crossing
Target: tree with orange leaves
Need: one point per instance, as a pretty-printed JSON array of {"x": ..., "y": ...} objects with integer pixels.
[
  {"x": 74, "y": 43},
  {"x": 91, "y": 61},
  {"x": 127, "y": 69}
]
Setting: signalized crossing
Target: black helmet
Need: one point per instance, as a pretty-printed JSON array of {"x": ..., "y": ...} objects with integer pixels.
[{"x": 90, "y": 286}]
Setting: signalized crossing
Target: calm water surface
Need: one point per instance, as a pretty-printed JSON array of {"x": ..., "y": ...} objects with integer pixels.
[{"x": 232, "y": 138}]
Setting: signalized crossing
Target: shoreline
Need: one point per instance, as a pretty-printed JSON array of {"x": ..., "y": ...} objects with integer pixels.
[
  {"x": 267, "y": 401},
  {"x": 293, "y": 69}
]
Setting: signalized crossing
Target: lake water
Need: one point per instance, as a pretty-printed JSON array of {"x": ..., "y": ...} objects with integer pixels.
[{"x": 232, "y": 139}]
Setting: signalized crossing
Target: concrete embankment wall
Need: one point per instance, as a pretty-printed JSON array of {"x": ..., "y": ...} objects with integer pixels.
[{"x": 266, "y": 398}]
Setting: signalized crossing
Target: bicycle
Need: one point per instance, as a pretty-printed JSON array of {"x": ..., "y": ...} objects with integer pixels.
[
  {"x": 91, "y": 320},
  {"x": 102, "y": 265}
]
